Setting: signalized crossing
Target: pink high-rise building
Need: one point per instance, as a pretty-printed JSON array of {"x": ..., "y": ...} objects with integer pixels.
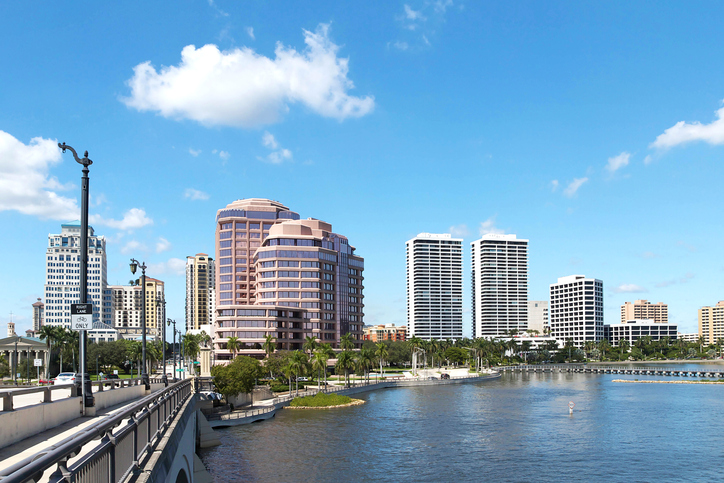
[{"x": 285, "y": 277}]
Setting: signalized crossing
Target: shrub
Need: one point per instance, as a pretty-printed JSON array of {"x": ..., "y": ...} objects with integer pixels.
[{"x": 321, "y": 400}]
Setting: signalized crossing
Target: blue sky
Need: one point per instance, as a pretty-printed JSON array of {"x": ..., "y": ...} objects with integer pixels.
[{"x": 595, "y": 130}]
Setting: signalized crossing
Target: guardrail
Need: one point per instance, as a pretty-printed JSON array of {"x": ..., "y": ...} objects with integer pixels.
[{"x": 120, "y": 450}]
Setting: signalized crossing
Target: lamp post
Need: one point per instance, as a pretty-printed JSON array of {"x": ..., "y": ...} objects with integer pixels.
[
  {"x": 169, "y": 322},
  {"x": 162, "y": 301},
  {"x": 144, "y": 372},
  {"x": 88, "y": 400}
]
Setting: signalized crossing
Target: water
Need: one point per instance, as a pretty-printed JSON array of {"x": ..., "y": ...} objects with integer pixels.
[{"x": 516, "y": 428}]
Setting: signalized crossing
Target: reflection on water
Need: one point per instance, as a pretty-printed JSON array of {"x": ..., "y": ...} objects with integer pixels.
[{"x": 516, "y": 428}]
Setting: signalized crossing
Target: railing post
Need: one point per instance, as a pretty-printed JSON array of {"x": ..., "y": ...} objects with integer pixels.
[
  {"x": 46, "y": 395},
  {"x": 7, "y": 398}
]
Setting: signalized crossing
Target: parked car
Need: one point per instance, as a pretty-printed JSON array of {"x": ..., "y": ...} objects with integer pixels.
[
  {"x": 302, "y": 379},
  {"x": 65, "y": 378},
  {"x": 108, "y": 377}
]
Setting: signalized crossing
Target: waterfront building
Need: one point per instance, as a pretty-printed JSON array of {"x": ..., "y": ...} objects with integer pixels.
[
  {"x": 537, "y": 343},
  {"x": 200, "y": 283},
  {"x": 711, "y": 323},
  {"x": 300, "y": 279},
  {"x": 576, "y": 309},
  {"x": 643, "y": 309},
  {"x": 499, "y": 285},
  {"x": 378, "y": 333},
  {"x": 127, "y": 309},
  {"x": 62, "y": 278},
  {"x": 435, "y": 286},
  {"x": 635, "y": 329},
  {"x": 538, "y": 316},
  {"x": 689, "y": 337},
  {"x": 38, "y": 315}
]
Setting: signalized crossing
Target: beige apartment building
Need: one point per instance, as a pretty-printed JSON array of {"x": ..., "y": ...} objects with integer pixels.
[
  {"x": 200, "y": 288},
  {"x": 127, "y": 309},
  {"x": 378, "y": 333},
  {"x": 711, "y": 323},
  {"x": 643, "y": 309}
]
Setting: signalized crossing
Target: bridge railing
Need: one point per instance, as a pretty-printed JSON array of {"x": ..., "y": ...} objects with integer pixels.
[{"x": 126, "y": 439}]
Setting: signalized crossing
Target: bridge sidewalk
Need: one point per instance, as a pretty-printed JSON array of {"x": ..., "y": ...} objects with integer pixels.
[{"x": 33, "y": 445}]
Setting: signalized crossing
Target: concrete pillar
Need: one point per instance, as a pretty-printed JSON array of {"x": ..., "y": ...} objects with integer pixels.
[{"x": 205, "y": 361}]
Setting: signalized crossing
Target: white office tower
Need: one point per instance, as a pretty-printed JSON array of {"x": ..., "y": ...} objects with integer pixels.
[
  {"x": 538, "y": 316},
  {"x": 499, "y": 285},
  {"x": 62, "y": 276},
  {"x": 200, "y": 280},
  {"x": 576, "y": 309},
  {"x": 435, "y": 287}
]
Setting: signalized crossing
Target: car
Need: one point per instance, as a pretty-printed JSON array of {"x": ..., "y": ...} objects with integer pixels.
[
  {"x": 302, "y": 379},
  {"x": 66, "y": 378},
  {"x": 444, "y": 376},
  {"x": 431, "y": 378}
]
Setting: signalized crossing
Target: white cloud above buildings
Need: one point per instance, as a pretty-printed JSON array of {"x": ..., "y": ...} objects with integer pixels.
[
  {"x": 172, "y": 266},
  {"x": 132, "y": 219},
  {"x": 573, "y": 187},
  {"x": 162, "y": 245},
  {"x": 278, "y": 154},
  {"x": 685, "y": 132},
  {"x": 133, "y": 246},
  {"x": 617, "y": 162},
  {"x": 26, "y": 185},
  {"x": 488, "y": 227},
  {"x": 629, "y": 288},
  {"x": 194, "y": 194},
  {"x": 242, "y": 88},
  {"x": 459, "y": 231}
]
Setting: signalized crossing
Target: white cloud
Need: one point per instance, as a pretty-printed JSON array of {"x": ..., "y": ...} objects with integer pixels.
[
  {"x": 683, "y": 132},
  {"x": 687, "y": 246},
  {"x": 25, "y": 182},
  {"x": 554, "y": 185},
  {"x": 242, "y": 88},
  {"x": 459, "y": 231},
  {"x": 194, "y": 194},
  {"x": 218, "y": 10},
  {"x": 224, "y": 155},
  {"x": 629, "y": 288},
  {"x": 400, "y": 45},
  {"x": 132, "y": 219},
  {"x": 413, "y": 15},
  {"x": 250, "y": 32},
  {"x": 572, "y": 188},
  {"x": 194, "y": 152},
  {"x": 96, "y": 200},
  {"x": 488, "y": 227},
  {"x": 442, "y": 5},
  {"x": 666, "y": 283},
  {"x": 617, "y": 162},
  {"x": 648, "y": 159},
  {"x": 133, "y": 246},
  {"x": 173, "y": 266},
  {"x": 162, "y": 245},
  {"x": 278, "y": 154}
]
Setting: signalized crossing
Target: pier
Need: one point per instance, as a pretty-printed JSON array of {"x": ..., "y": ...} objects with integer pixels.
[{"x": 613, "y": 369}]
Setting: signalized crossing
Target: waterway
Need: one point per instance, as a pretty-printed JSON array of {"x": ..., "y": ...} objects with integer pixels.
[{"x": 516, "y": 428}]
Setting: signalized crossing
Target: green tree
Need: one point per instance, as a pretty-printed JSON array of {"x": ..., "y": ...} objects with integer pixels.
[
  {"x": 299, "y": 363},
  {"x": 237, "y": 377},
  {"x": 365, "y": 360},
  {"x": 276, "y": 361},
  {"x": 310, "y": 343},
  {"x": 346, "y": 342},
  {"x": 345, "y": 363},
  {"x": 623, "y": 346},
  {"x": 382, "y": 354},
  {"x": 319, "y": 363},
  {"x": 233, "y": 344},
  {"x": 269, "y": 345}
]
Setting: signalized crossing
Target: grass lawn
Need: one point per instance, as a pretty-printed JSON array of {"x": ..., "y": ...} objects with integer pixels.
[{"x": 321, "y": 400}]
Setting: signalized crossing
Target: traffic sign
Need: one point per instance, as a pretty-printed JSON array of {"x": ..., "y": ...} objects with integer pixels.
[
  {"x": 37, "y": 362},
  {"x": 81, "y": 316}
]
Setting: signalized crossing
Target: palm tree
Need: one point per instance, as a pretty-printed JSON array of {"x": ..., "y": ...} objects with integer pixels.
[
  {"x": 233, "y": 344},
  {"x": 319, "y": 363},
  {"x": 366, "y": 359},
  {"x": 269, "y": 345},
  {"x": 298, "y": 363},
  {"x": 720, "y": 343},
  {"x": 345, "y": 362},
  {"x": 310, "y": 343},
  {"x": 134, "y": 354},
  {"x": 623, "y": 346},
  {"x": 382, "y": 353},
  {"x": 604, "y": 345},
  {"x": 48, "y": 332},
  {"x": 329, "y": 354},
  {"x": 347, "y": 342},
  {"x": 525, "y": 348}
]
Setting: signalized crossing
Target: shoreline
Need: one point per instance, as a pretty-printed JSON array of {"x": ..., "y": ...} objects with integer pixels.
[
  {"x": 717, "y": 362},
  {"x": 666, "y": 382},
  {"x": 353, "y": 402}
]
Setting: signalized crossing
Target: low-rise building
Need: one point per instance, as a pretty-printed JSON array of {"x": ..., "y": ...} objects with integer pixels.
[
  {"x": 377, "y": 333},
  {"x": 634, "y": 330},
  {"x": 690, "y": 337}
]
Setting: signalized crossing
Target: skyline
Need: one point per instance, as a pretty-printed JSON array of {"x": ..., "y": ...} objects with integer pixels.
[{"x": 589, "y": 130}]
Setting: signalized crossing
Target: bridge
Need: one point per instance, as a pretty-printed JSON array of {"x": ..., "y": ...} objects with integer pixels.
[
  {"x": 132, "y": 435},
  {"x": 613, "y": 369}
]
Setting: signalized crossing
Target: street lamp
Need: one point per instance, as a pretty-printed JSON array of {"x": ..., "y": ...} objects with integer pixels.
[
  {"x": 169, "y": 322},
  {"x": 144, "y": 373},
  {"x": 161, "y": 300},
  {"x": 88, "y": 400}
]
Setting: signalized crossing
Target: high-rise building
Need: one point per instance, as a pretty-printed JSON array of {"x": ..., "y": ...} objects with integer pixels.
[
  {"x": 38, "y": 315},
  {"x": 538, "y": 316},
  {"x": 645, "y": 310},
  {"x": 200, "y": 282},
  {"x": 435, "y": 286},
  {"x": 298, "y": 280},
  {"x": 62, "y": 277},
  {"x": 499, "y": 285},
  {"x": 711, "y": 323},
  {"x": 240, "y": 229},
  {"x": 127, "y": 309},
  {"x": 576, "y": 309}
]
